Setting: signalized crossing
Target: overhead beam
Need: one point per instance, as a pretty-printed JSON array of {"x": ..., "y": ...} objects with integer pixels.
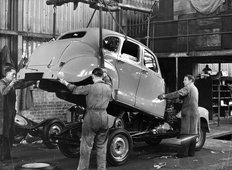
[{"x": 107, "y": 5}]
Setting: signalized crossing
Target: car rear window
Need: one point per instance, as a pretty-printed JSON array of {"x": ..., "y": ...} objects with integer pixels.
[{"x": 73, "y": 35}]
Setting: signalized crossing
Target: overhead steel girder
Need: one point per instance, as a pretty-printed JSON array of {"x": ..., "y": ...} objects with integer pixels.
[{"x": 107, "y": 5}]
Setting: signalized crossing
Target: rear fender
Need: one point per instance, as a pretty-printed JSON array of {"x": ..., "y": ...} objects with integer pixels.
[
  {"x": 80, "y": 68},
  {"x": 204, "y": 118}
]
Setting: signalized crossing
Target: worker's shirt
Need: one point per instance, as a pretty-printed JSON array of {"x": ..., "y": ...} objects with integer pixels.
[
  {"x": 190, "y": 94},
  {"x": 98, "y": 94},
  {"x": 7, "y": 103},
  {"x": 189, "y": 110},
  {"x": 7, "y": 107}
]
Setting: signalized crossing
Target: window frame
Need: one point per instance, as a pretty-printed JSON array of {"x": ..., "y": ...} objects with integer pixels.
[
  {"x": 118, "y": 47},
  {"x": 138, "y": 51},
  {"x": 153, "y": 58}
]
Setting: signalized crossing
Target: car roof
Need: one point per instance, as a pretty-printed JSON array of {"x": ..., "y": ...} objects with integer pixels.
[
  {"x": 91, "y": 36},
  {"x": 91, "y": 32}
]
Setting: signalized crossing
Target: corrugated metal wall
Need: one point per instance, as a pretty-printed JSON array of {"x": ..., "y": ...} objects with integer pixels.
[
  {"x": 136, "y": 22},
  {"x": 4, "y": 40},
  {"x": 3, "y": 14},
  {"x": 37, "y": 17}
]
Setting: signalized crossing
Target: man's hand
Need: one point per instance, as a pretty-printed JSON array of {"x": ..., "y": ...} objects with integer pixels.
[
  {"x": 161, "y": 97},
  {"x": 61, "y": 79},
  {"x": 12, "y": 82},
  {"x": 104, "y": 72},
  {"x": 64, "y": 82}
]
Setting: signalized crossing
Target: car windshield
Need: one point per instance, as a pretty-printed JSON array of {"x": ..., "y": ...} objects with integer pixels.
[{"x": 73, "y": 35}]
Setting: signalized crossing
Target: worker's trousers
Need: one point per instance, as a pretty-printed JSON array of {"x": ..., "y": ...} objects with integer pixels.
[{"x": 94, "y": 132}]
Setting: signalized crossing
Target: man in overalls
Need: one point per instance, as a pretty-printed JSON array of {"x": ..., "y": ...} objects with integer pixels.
[
  {"x": 8, "y": 84},
  {"x": 95, "y": 124}
]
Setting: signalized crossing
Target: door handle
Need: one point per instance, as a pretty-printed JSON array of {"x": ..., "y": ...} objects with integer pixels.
[{"x": 144, "y": 71}]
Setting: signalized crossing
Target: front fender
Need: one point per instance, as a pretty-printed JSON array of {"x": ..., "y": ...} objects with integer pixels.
[{"x": 204, "y": 117}]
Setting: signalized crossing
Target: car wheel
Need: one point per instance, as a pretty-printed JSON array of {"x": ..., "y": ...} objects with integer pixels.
[
  {"x": 52, "y": 128},
  {"x": 70, "y": 150},
  {"x": 36, "y": 166},
  {"x": 119, "y": 147},
  {"x": 69, "y": 142},
  {"x": 200, "y": 140},
  {"x": 152, "y": 141}
]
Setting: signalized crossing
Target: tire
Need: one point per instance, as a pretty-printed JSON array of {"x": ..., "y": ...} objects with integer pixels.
[
  {"x": 21, "y": 125},
  {"x": 70, "y": 151},
  {"x": 53, "y": 127},
  {"x": 152, "y": 141},
  {"x": 67, "y": 149},
  {"x": 200, "y": 141},
  {"x": 20, "y": 134},
  {"x": 36, "y": 166},
  {"x": 119, "y": 147},
  {"x": 21, "y": 121}
]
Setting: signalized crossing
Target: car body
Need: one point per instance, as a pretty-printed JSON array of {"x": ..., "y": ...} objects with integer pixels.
[{"x": 133, "y": 67}]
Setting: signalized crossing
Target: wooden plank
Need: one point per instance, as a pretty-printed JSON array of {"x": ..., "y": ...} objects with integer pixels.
[
  {"x": 25, "y": 34},
  {"x": 20, "y": 15},
  {"x": 3, "y": 12},
  {"x": 20, "y": 47}
]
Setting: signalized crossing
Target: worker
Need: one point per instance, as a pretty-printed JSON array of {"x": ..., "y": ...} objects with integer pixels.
[
  {"x": 95, "y": 123},
  {"x": 7, "y": 110},
  {"x": 189, "y": 114}
]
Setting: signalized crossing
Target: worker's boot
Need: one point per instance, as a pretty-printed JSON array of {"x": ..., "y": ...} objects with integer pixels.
[
  {"x": 192, "y": 147},
  {"x": 183, "y": 151},
  {"x": 186, "y": 141},
  {"x": 5, "y": 151}
]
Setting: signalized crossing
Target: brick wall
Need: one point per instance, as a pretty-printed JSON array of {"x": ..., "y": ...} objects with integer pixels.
[{"x": 46, "y": 105}]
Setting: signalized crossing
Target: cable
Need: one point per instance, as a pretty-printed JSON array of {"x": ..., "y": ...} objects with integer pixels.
[
  {"x": 91, "y": 18},
  {"x": 115, "y": 19}
]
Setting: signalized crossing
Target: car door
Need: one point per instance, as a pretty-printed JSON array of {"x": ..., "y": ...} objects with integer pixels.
[
  {"x": 128, "y": 66},
  {"x": 151, "y": 85}
]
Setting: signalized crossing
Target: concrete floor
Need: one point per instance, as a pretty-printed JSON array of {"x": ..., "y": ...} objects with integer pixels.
[{"x": 216, "y": 154}]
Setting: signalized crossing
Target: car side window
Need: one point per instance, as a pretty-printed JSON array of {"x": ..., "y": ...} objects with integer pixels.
[
  {"x": 111, "y": 43},
  {"x": 149, "y": 61},
  {"x": 130, "y": 51}
]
